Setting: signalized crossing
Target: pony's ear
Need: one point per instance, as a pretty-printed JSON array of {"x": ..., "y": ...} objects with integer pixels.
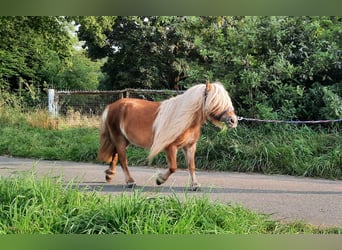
[{"x": 207, "y": 86}]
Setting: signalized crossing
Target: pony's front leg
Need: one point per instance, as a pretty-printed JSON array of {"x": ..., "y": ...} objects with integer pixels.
[
  {"x": 189, "y": 152},
  {"x": 171, "y": 155}
]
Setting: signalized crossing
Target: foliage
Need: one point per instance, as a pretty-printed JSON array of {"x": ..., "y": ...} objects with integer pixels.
[
  {"x": 27, "y": 44},
  {"x": 37, "y": 53},
  {"x": 81, "y": 73},
  {"x": 271, "y": 64},
  {"x": 47, "y": 205},
  {"x": 149, "y": 52},
  {"x": 276, "y": 63}
]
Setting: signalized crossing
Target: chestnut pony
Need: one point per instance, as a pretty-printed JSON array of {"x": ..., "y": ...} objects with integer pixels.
[{"x": 168, "y": 125}]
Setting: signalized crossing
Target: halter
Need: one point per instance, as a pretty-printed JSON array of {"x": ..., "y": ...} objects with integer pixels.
[{"x": 216, "y": 117}]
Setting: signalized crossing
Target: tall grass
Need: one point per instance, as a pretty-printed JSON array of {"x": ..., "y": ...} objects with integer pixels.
[
  {"x": 34, "y": 135},
  {"x": 47, "y": 206},
  {"x": 275, "y": 149},
  {"x": 293, "y": 150}
]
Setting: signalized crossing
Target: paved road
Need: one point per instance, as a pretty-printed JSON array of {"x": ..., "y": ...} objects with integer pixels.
[{"x": 286, "y": 198}]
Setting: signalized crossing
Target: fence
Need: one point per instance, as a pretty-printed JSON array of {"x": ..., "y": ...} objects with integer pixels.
[{"x": 83, "y": 108}]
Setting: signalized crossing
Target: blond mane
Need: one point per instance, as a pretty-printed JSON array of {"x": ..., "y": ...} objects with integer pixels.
[{"x": 177, "y": 114}]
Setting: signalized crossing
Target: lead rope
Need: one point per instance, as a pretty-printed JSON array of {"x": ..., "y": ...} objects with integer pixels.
[{"x": 240, "y": 118}]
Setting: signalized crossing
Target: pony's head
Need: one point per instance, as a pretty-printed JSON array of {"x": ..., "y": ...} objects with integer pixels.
[{"x": 218, "y": 105}]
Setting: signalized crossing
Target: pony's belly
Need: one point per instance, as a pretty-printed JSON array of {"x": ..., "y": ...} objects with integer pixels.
[
  {"x": 140, "y": 144},
  {"x": 139, "y": 138}
]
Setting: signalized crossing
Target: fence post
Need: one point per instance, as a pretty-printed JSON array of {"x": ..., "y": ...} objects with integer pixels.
[{"x": 52, "y": 103}]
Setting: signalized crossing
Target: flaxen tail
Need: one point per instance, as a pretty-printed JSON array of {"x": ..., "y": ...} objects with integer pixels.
[{"x": 106, "y": 146}]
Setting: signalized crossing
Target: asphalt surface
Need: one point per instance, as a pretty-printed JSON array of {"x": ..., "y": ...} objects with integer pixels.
[{"x": 285, "y": 198}]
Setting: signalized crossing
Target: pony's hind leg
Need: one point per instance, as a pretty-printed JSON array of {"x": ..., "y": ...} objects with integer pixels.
[
  {"x": 130, "y": 183},
  {"x": 111, "y": 171},
  {"x": 189, "y": 153}
]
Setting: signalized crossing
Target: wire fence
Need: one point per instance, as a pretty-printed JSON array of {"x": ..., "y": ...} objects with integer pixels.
[
  {"x": 83, "y": 108},
  {"x": 287, "y": 121}
]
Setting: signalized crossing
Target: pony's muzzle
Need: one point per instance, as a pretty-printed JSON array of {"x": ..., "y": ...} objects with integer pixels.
[{"x": 231, "y": 120}]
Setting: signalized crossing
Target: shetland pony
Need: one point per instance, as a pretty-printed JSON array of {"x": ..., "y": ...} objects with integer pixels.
[{"x": 168, "y": 125}]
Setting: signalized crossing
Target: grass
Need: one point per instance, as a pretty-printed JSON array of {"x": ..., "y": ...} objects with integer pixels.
[
  {"x": 46, "y": 205},
  {"x": 74, "y": 144},
  {"x": 271, "y": 148},
  {"x": 277, "y": 149}
]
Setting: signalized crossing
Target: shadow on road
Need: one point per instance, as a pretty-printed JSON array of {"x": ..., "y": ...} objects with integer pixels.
[{"x": 181, "y": 189}]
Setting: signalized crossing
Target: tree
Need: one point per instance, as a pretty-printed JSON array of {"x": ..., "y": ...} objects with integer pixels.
[
  {"x": 80, "y": 74},
  {"x": 273, "y": 67},
  {"x": 142, "y": 51},
  {"x": 37, "y": 53},
  {"x": 276, "y": 67},
  {"x": 26, "y": 44}
]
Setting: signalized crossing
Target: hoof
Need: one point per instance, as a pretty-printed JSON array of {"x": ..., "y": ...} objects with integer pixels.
[
  {"x": 195, "y": 187},
  {"x": 131, "y": 185},
  {"x": 109, "y": 175},
  {"x": 109, "y": 178},
  {"x": 160, "y": 180}
]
